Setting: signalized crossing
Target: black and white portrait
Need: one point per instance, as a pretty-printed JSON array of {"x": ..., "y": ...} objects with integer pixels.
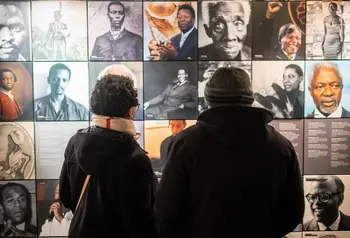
[
  {"x": 225, "y": 31},
  {"x": 59, "y": 30},
  {"x": 326, "y": 30},
  {"x": 16, "y": 91},
  {"x": 17, "y": 156},
  {"x": 51, "y": 139},
  {"x": 279, "y": 30},
  {"x": 115, "y": 30},
  {"x": 327, "y": 203},
  {"x": 327, "y": 234},
  {"x": 61, "y": 91},
  {"x": 279, "y": 87},
  {"x": 53, "y": 218},
  {"x": 15, "y": 31},
  {"x": 133, "y": 69},
  {"x": 170, "y": 90},
  {"x": 18, "y": 209}
]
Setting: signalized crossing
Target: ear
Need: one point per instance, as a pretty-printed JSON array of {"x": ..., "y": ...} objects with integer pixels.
[
  {"x": 207, "y": 30},
  {"x": 341, "y": 199},
  {"x": 132, "y": 112},
  {"x": 48, "y": 80}
]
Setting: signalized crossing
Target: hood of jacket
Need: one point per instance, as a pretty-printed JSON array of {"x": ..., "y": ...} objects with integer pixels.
[{"x": 232, "y": 123}]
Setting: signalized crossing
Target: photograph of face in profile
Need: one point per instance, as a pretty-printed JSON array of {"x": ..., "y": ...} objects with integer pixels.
[
  {"x": 170, "y": 30},
  {"x": 328, "y": 89},
  {"x": 279, "y": 30},
  {"x": 279, "y": 87},
  {"x": 15, "y": 31},
  {"x": 115, "y": 30},
  {"x": 225, "y": 30},
  {"x": 16, "y": 94},
  {"x": 325, "y": 36},
  {"x": 17, "y": 157},
  {"x": 18, "y": 209},
  {"x": 327, "y": 206}
]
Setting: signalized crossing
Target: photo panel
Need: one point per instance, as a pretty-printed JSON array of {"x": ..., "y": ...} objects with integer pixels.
[
  {"x": 115, "y": 30},
  {"x": 326, "y": 146},
  {"x": 225, "y": 30},
  {"x": 15, "y": 32},
  {"x": 51, "y": 140},
  {"x": 54, "y": 218},
  {"x": 327, "y": 203},
  {"x": 328, "y": 89},
  {"x": 279, "y": 30},
  {"x": 18, "y": 215},
  {"x": 279, "y": 87},
  {"x": 157, "y": 138},
  {"x": 63, "y": 95},
  {"x": 98, "y": 69},
  {"x": 206, "y": 69},
  {"x": 59, "y": 30},
  {"x": 170, "y": 90},
  {"x": 16, "y": 91},
  {"x": 326, "y": 234},
  {"x": 293, "y": 130},
  {"x": 327, "y": 36},
  {"x": 294, "y": 235},
  {"x": 17, "y": 154},
  {"x": 139, "y": 126},
  {"x": 164, "y": 23}
]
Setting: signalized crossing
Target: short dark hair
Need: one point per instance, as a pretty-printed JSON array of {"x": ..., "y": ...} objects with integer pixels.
[
  {"x": 28, "y": 215},
  {"x": 58, "y": 66},
  {"x": 116, "y": 3},
  {"x": 297, "y": 69},
  {"x": 2, "y": 71},
  {"x": 339, "y": 183},
  {"x": 188, "y": 7},
  {"x": 113, "y": 96}
]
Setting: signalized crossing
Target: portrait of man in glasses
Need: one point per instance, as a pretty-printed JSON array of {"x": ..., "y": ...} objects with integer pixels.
[{"x": 325, "y": 196}]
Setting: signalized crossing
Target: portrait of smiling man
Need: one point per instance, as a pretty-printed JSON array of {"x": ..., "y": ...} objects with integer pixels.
[
  {"x": 326, "y": 89},
  {"x": 14, "y": 33},
  {"x": 226, "y": 23}
]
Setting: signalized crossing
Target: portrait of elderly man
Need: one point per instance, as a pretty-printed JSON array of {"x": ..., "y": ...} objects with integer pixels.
[
  {"x": 16, "y": 211},
  {"x": 14, "y": 36},
  {"x": 326, "y": 89},
  {"x": 288, "y": 43},
  {"x": 57, "y": 106},
  {"x": 325, "y": 196},
  {"x": 226, "y": 24},
  {"x": 119, "y": 43}
]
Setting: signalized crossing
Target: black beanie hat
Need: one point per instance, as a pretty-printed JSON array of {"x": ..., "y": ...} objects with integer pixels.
[{"x": 229, "y": 86}]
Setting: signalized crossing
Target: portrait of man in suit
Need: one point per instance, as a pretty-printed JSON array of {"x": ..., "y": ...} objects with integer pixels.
[
  {"x": 118, "y": 43},
  {"x": 177, "y": 101},
  {"x": 326, "y": 88},
  {"x": 325, "y": 196},
  {"x": 176, "y": 126},
  {"x": 225, "y": 22},
  {"x": 182, "y": 46},
  {"x": 16, "y": 211}
]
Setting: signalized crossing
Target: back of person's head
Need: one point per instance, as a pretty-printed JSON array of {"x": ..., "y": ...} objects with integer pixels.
[
  {"x": 229, "y": 86},
  {"x": 114, "y": 96}
]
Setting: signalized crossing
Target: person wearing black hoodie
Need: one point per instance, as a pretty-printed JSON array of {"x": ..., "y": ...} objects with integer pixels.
[
  {"x": 119, "y": 196},
  {"x": 231, "y": 172}
]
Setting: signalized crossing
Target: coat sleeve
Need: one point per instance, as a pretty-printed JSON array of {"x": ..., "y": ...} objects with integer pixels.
[
  {"x": 291, "y": 204},
  {"x": 137, "y": 199},
  {"x": 171, "y": 198}
]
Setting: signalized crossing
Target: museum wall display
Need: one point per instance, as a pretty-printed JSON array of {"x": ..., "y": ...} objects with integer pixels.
[{"x": 52, "y": 53}]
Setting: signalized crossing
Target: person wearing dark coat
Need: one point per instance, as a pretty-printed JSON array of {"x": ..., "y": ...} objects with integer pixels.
[
  {"x": 231, "y": 171},
  {"x": 119, "y": 196}
]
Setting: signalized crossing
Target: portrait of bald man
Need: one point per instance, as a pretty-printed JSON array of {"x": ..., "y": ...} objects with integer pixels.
[
  {"x": 134, "y": 70},
  {"x": 225, "y": 30},
  {"x": 325, "y": 195},
  {"x": 327, "y": 89},
  {"x": 14, "y": 31}
]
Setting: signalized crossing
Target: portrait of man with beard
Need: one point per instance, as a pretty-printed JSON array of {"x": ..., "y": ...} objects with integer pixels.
[
  {"x": 226, "y": 23},
  {"x": 326, "y": 90}
]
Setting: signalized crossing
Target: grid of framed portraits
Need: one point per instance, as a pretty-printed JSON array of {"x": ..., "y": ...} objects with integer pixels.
[{"x": 297, "y": 54}]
